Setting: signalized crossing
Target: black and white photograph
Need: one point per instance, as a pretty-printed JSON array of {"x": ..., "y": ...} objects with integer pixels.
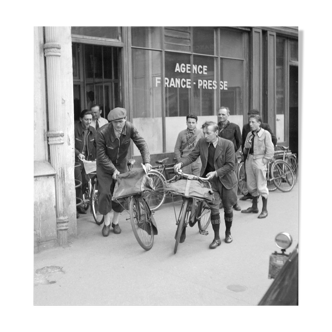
[{"x": 168, "y": 150}]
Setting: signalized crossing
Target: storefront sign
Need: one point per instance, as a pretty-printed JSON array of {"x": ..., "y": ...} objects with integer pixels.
[{"x": 176, "y": 82}]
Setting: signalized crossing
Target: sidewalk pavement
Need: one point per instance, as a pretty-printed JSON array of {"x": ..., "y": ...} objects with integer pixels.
[{"x": 94, "y": 270}]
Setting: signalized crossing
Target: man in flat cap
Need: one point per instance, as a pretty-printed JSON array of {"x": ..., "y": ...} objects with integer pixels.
[{"x": 113, "y": 141}]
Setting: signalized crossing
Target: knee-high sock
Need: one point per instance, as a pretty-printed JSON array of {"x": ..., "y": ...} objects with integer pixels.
[{"x": 228, "y": 221}]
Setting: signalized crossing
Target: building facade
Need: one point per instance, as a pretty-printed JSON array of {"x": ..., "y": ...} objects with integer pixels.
[{"x": 160, "y": 75}]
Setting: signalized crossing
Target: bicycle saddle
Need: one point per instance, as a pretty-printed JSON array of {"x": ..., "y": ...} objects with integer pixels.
[{"x": 160, "y": 162}]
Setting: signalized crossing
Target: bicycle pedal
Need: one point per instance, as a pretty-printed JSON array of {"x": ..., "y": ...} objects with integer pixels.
[{"x": 204, "y": 232}]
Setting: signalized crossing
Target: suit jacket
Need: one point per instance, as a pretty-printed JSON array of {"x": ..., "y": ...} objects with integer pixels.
[{"x": 224, "y": 160}]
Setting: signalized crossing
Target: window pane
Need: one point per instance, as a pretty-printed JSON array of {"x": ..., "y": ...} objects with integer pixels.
[
  {"x": 76, "y": 62},
  {"x": 177, "y": 84},
  {"x": 231, "y": 43},
  {"x": 294, "y": 50},
  {"x": 101, "y": 32},
  {"x": 146, "y": 37},
  {"x": 280, "y": 94},
  {"x": 205, "y": 85},
  {"x": 231, "y": 75},
  {"x": 204, "y": 41},
  {"x": 178, "y": 38},
  {"x": 147, "y": 97},
  {"x": 89, "y": 61},
  {"x": 107, "y": 57}
]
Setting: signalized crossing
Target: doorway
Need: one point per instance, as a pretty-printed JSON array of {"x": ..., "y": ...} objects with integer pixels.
[
  {"x": 293, "y": 109},
  {"x": 96, "y": 77}
]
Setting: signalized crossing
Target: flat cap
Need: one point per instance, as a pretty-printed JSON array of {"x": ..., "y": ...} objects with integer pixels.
[{"x": 117, "y": 114}]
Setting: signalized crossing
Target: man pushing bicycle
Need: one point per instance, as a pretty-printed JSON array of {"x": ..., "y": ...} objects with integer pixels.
[{"x": 218, "y": 157}]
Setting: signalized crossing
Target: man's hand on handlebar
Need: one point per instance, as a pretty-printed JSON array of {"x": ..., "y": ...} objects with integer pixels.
[
  {"x": 115, "y": 174},
  {"x": 211, "y": 175},
  {"x": 177, "y": 167},
  {"x": 148, "y": 167}
]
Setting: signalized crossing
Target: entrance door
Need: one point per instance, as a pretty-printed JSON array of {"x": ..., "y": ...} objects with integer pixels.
[
  {"x": 96, "y": 77},
  {"x": 293, "y": 109}
]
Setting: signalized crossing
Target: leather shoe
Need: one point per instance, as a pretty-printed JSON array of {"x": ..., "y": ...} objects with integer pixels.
[
  {"x": 237, "y": 207},
  {"x": 228, "y": 238},
  {"x": 106, "y": 230},
  {"x": 116, "y": 228},
  {"x": 80, "y": 210},
  {"x": 183, "y": 235},
  {"x": 250, "y": 210},
  {"x": 215, "y": 243},
  {"x": 245, "y": 197},
  {"x": 263, "y": 214}
]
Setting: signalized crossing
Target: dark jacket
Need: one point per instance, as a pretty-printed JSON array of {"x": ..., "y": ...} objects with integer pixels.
[
  {"x": 246, "y": 129},
  {"x": 112, "y": 151},
  {"x": 224, "y": 160},
  {"x": 231, "y": 132},
  {"x": 91, "y": 141}
]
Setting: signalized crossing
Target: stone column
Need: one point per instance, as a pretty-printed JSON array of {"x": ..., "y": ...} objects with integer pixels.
[{"x": 56, "y": 121}]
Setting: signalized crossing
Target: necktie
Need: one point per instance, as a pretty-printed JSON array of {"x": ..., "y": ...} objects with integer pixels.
[{"x": 97, "y": 124}]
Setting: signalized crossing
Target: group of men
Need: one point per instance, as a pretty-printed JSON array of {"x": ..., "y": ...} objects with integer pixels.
[{"x": 210, "y": 152}]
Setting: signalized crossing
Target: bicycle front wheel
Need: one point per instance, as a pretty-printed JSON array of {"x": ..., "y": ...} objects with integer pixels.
[
  {"x": 184, "y": 215},
  {"x": 140, "y": 222},
  {"x": 283, "y": 176},
  {"x": 156, "y": 197},
  {"x": 99, "y": 218},
  {"x": 291, "y": 160},
  {"x": 204, "y": 216}
]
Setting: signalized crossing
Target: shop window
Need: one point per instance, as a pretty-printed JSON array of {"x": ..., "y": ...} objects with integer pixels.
[
  {"x": 204, "y": 41},
  {"x": 231, "y": 43},
  {"x": 178, "y": 38},
  {"x": 147, "y": 102},
  {"x": 100, "y": 32},
  {"x": 204, "y": 85},
  {"x": 148, "y": 37},
  {"x": 177, "y": 84},
  {"x": 232, "y": 79}
]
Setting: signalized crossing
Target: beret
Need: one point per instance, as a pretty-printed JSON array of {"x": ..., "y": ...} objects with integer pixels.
[{"x": 117, "y": 114}]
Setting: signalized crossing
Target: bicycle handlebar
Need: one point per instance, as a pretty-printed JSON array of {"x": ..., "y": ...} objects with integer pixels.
[{"x": 192, "y": 177}]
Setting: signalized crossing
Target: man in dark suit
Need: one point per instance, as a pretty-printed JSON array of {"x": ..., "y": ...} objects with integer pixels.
[
  {"x": 218, "y": 158},
  {"x": 245, "y": 131}
]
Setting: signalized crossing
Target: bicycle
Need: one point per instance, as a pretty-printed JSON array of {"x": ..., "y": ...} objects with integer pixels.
[
  {"x": 201, "y": 214},
  {"x": 86, "y": 201},
  {"x": 141, "y": 218},
  {"x": 286, "y": 155},
  {"x": 158, "y": 174},
  {"x": 279, "y": 175}
]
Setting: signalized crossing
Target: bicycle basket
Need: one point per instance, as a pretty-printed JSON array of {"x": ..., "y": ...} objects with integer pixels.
[
  {"x": 191, "y": 188},
  {"x": 132, "y": 183}
]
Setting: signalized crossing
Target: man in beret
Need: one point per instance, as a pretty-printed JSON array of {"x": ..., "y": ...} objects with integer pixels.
[
  {"x": 245, "y": 131},
  {"x": 113, "y": 141}
]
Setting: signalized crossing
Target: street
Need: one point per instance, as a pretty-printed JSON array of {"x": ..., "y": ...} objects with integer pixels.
[{"x": 94, "y": 270}]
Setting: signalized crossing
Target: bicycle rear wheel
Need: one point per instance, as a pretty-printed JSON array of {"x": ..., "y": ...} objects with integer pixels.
[
  {"x": 184, "y": 215},
  {"x": 270, "y": 183},
  {"x": 156, "y": 197},
  {"x": 241, "y": 178},
  {"x": 283, "y": 176},
  {"x": 140, "y": 222},
  {"x": 204, "y": 216},
  {"x": 99, "y": 218}
]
